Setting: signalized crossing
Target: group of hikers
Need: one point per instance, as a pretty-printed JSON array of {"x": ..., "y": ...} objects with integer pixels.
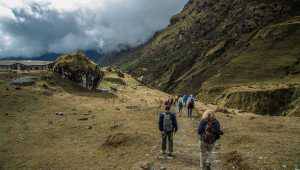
[
  {"x": 182, "y": 101},
  {"x": 209, "y": 129}
]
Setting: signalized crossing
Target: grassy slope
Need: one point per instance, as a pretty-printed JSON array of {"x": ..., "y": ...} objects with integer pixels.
[{"x": 33, "y": 137}]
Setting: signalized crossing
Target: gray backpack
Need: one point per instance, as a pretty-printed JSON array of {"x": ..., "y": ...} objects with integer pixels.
[{"x": 168, "y": 124}]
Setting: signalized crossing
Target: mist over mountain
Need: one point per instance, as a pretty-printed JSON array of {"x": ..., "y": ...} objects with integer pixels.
[{"x": 33, "y": 27}]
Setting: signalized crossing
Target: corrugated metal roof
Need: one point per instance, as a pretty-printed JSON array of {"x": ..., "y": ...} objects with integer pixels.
[{"x": 24, "y": 62}]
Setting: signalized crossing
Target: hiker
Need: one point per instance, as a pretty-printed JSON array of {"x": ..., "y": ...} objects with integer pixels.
[
  {"x": 209, "y": 132},
  {"x": 176, "y": 99},
  {"x": 185, "y": 98},
  {"x": 168, "y": 102},
  {"x": 180, "y": 104},
  {"x": 190, "y": 106},
  {"x": 167, "y": 127}
]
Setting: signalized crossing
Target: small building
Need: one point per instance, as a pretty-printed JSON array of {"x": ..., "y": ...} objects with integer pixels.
[{"x": 25, "y": 65}]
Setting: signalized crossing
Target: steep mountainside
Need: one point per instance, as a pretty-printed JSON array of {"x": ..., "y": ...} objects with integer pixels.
[{"x": 227, "y": 52}]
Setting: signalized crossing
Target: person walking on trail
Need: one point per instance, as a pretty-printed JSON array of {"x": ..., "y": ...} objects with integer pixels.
[
  {"x": 176, "y": 100},
  {"x": 168, "y": 127},
  {"x": 185, "y": 98},
  {"x": 190, "y": 97},
  {"x": 209, "y": 132},
  {"x": 168, "y": 102},
  {"x": 190, "y": 107},
  {"x": 180, "y": 104}
]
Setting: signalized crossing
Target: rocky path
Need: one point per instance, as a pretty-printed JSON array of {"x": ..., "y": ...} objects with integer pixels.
[{"x": 186, "y": 147}]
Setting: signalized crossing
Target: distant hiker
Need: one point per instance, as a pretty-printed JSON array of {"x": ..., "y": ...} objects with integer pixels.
[
  {"x": 185, "y": 98},
  {"x": 190, "y": 97},
  {"x": 209, "y": 131},
  {"x": 168, "y": 103},
  {"x": 167, "y": 127},
  {"x": 190, "y": 107},
  {"x": 180, "y": 104},
  {"x": 176, "y": 99}
]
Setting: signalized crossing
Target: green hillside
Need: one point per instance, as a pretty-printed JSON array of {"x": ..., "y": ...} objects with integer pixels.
[{"x": 213, "y": 48}]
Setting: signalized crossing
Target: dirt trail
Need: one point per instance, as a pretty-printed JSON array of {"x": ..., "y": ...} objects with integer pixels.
[{"x": 186, "y": 145}]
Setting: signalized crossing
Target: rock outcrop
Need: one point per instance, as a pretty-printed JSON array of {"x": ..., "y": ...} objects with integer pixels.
[{"x": 79, "y": 69}]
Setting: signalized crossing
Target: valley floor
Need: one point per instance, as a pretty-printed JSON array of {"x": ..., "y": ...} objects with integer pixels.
[{"x": 56, "y": 125}]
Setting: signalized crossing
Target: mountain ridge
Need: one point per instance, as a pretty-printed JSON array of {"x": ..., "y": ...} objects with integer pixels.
[{"x": 213, "y": 46}]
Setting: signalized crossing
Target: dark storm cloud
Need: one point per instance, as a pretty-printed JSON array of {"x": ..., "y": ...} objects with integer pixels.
[{"x": 36, "y": 27}]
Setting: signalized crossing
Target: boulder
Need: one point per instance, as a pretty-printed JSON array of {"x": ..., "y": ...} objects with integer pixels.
[{"x": 79, "y": 69}]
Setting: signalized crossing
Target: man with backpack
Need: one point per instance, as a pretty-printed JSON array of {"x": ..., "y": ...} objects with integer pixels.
[
  {"x": 185, "y": 99},
  {"x": 190, "y": 106},
  {"x": 180, "y": 104},
  {"x": 167, "y": 127},
  {"x": 209, "y": 131}
]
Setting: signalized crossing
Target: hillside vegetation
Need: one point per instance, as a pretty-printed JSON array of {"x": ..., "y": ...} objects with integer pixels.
[{"x": 222, "y": 48}]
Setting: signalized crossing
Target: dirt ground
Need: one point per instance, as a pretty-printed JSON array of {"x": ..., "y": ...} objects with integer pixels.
[{"x": 56, "y": 125}]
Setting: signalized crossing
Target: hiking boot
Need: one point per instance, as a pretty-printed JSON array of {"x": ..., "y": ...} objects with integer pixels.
[{"x": 170, "y": 156}]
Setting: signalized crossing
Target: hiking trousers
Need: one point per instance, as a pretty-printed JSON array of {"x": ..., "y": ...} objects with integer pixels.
[
  {"x": 167, "y": 138},
  {"x": 190, "y": 112},
  {"x": 180, "y": 108},
  {"x": 207, "y": 156}
]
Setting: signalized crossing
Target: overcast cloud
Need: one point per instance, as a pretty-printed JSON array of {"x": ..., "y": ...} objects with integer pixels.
[{"x": 33, "y": 27}]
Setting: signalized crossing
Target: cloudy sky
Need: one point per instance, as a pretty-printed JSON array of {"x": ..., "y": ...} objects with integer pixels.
[{"x": 33, "y": 27}]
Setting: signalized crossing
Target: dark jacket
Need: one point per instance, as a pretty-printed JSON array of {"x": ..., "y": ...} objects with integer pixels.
[
  {"x": 215, "y": 129},
  {"x": 161, "y": 122}
]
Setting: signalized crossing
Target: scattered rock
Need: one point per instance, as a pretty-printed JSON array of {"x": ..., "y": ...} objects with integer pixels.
[
  {"x": 229, "y": 116},
  {"x": 59, "y": 114},
  {"x": 234, "y": 159},
  {"x": 83, "y": 119},
  {"x": 90, "y": 127},
  {"x": 148, "y": 166},
  {"x": 163, "y": 168},
  {"x": 18, "y": 88},
  {"x": 132, "y": 107},
  {"x": 116, "y": 140},
  {"x": 116, "y": 125}
]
